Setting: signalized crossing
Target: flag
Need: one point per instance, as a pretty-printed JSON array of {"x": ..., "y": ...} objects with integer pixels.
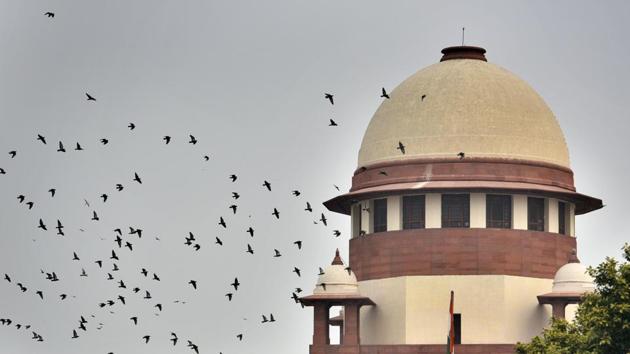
[{"x": 450, "y": 339}]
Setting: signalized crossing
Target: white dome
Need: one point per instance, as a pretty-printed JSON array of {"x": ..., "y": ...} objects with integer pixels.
[
  {"x": 337, "y": 280},
  {"x": 572, "y": 278}
]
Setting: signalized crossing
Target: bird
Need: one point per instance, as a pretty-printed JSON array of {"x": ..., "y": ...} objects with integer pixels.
[
  {"x": 332, "y": 123},
  {"x": 235, "y": 195},
  {"x": 167, "y": 139},
  {"x": 74, "y": 334},
  {"x": 384, "y": 173},
  {"x": 324, "y": 220},
  {"x": 155, "y": 277},
  {"x": 42, "y": 225},
  {"x": 239, "y": 336},
  {"x": 423, "y": 97},
  {"x": 193, "y": 140},
  {"x": 308, "y": 207},
  {"x": 144, "y": 272},
  {"x": 461, "y": 155},
  {"x": 296, "y": 193},
  {"x": 78, "y": 147},
  {"x": 295, "y": 297},
  {"x": 21, "y": 198},
  {"x": 174, "y": 339},
  {"x": 236, "y": 284},
  {"x": 264, "y": 320},
  {"x": 271, "y": 318},
  {"x": 99, "y": 263},
  {"x": 336, "y": 233},
  {"x": 40, "y": 293},
  {"x": 222, "y": 222},
  {"x": 147, "y": 295},
  {"x": 276, "y": 213},
  {"x": 276, "y": 253},
  {"x": 193, "y": 283},
  {"x": 146, "y": 339},
  {"x": 12, "y": 153},
  {"x": 83, "y": 273},
  {"x": 136, "y": 178},
  {"x": 195, "y": 347},
  {"x": 297, "y": 271},
  {"x": 250, "y": 231},
  {"x": 267, "y": 185},
  {"x": 349, "y": 270},
  {"x": 104, "y": 196},
  {"x": 321, "y": 271},
  {"x": 206, "y": 157},
  {"x": 119, "y": 187},
  {"x": 329, "y": 97},
  {"x": 89, "y": 97},
  {"x": 233, "y": 207},
  {"x": 218, "y": 241},
  {"x": 49, "y": 14},
  {"x": 229, "y": 296},
  {"x": 135, "y": 320},
  {"x": 336, "y": 186},
  {"x": 401, "y": 147},
  {"x": 52, "y": 192},
  {"x": 197, "y": 247},
  {"x": 75, "y": 256},
  {"x": 298, "y": 244},
  {"x": 104, "y": 141},
  {"x": 95, "y": 216},
  {"x": 41, "y": 138},
  {"x": 233, "y": 178},
  {"x": 114, "y": 256},
  {"x": 131, "y": 126},
  {"x": 3, "y": 171},
  {"x": 30, "y": 205},
  {"x": 384, "y": 93},
  {"x": 159, "y": 307},
  {"x": 249, "y": 249},
  {"x": 7, "y": 277},
  {"x": 61, "y": 148}
]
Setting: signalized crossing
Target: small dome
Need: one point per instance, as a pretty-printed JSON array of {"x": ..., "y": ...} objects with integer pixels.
[
  {"x": 336, "y": 279},
  {"x": 464, "y": 104},
  {"x": 572, "y": 278}
]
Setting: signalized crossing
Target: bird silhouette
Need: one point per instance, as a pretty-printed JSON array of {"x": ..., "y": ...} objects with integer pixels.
[
  {"x": 104, "y": 141},
  {"x": 206, "y": 157},
  {"x": 233, "y": 207},
  {"x": 330, "y": 98},
  {"x": 235, "y": 195},
  {"x": 42, "y": 225},
  {"x": 233, "y": 178},
  {"x": 131, "y": 126},
  {"x": 89, "y": 97},
  {"x": 264, "y": 320},
  {"x": 74, "y": 334},
  {"x": 229, "y": 296},
  {"x": 192, "y": 140},
  {"x": 95, "y": 216},
  {"x": 49, "y": 14},
  {"x": 276, "y": 213},
  {"x": 276, "y": 253},
  {"x": 332, "y": 123},
  {"x": 267, "y": 185},
  {"x": 61, "y": 148},
  {"x": 135, "y": 320},
  {"x": 30, "y": 205},
  {"x": 296, "y": 193},
  {"x": 222, "y": 222},
  {"x": 12, "y": 153},
  {"x": 250, "y": 231},
  {"x": 174, "y": 339},
  {"x": 146, "y": 338},
  {"x": 249, "y": 249},
  {"x": 193, "y": 283},
  {"x": 119, "y": 187},
  {"x": 401, "y": 147},
  {"x": 167, "y": 139},
  {"x": 297, "y": 271},
  {"x": 298, "y": 244},
  {"x": 236, "y": 284},
  {"x": 104, "y": 197},
  {"x": 136, "y": 178},
  {"x": 308, "y": 207},
  {"x": 461, "y": 155},
  {"x": 324, "y": 220},
  {"x": 218, "y": 241},
  {"x": 3, "y": 171},
  {"x": 384, "y": 93},
  {"x": 423, "y": 97},
  {"x": 336, "y": 233},
  {"x": 41, "y": 138},
  {"x": 239, "y": 336},
  {"x": 21, "y": 198},
  {"x": 78, "y": 147}
]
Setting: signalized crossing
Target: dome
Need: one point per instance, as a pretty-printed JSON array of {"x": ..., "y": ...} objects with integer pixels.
[
  {"x": 337, "y": 279},
  {"x": 572, "y": 278},
  {"x": 464, "y": 104}
]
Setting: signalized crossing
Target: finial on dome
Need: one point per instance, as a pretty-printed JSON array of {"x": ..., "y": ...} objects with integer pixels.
[
  {"x": 463, "y": 52},
  {"x": 574, "y": 258},
  {"x": 337, "y": 260}
]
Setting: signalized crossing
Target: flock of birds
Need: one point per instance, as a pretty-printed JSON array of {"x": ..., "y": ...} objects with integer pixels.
[{"x": 123, "y": 245}]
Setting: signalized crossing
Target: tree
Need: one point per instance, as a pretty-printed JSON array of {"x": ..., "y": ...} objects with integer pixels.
[{"x": 602, "y": 321}]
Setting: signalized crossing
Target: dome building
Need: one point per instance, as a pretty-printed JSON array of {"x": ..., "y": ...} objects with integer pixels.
[{"x": 463, "y": 184}]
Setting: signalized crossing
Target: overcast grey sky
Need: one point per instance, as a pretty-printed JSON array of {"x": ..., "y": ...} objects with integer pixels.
[{"x": 247, "y": 79}]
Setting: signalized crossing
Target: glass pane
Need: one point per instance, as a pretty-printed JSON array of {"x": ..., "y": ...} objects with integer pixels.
[
  {"x": 535, "y": 214},
  {"x": 380, "y": 215},
  {"x": 413, "y": 212},
  {"x": 499, "y": 211},
  {"x": 455, "y": 210}
]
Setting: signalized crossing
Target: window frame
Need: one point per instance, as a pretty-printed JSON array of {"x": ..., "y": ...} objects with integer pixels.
[
  {"x": 421, "y": 213},
  {"x": 535, "y": 225},
  {"x": 506, "y": 221},
  {"x": 382, "y": 227},
  {"x": 448, "y": 222}
]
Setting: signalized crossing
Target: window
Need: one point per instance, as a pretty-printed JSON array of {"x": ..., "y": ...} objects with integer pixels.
[
  {"x": 380, "y": 215},
  {"x": 413, "y": 212},
  {"x": 535, "y": 214},
  {"x": 499, "y": 211},
  {"x": 455, "y": 210},
  {"x": 356, "y": 220},
  {"x": 562, "y": 218},
  {"x": 457, "y": 322}
]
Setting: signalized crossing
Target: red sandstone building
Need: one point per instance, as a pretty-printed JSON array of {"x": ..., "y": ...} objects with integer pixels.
[{"x": 463, "y": 183}]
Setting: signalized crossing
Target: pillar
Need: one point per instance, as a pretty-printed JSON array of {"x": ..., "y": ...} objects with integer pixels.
[
  {"x": 551, "y": 215},
  {"x": 477, "y": 210},
  {"x": 320, "y": 324},
  {"x": 433, "y": 210},
  {"x": 519, "y": 212},
  {"x": 351, "y": 334},
  {"x": 557, "y": 309},
  {"x": 394, "y": 213}
]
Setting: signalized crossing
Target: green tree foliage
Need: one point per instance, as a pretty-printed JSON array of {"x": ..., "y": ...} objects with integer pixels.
[{"x": 602, "y": 321}]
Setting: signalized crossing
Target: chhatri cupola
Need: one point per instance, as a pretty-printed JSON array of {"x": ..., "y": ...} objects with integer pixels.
[{"x": 463, "y": 184}]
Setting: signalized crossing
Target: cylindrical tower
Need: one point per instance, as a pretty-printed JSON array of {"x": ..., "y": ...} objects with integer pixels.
[{"x": 463, "y": 183}]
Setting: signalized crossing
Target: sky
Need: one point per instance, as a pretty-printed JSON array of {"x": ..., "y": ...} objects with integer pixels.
[{"x": 246, "y": 78}]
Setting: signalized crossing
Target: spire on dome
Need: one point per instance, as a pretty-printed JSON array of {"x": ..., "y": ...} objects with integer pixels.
[{"x": 337, "y": 260}]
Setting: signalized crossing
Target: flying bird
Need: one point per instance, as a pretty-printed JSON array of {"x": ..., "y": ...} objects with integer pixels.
[
  {"x": 218, "y": 241},
  {"x": 30, "y": 205},
  {"x": 296, "y": 193},
  {"x": 21, "y": 198},
  {"x": 61, "y": 148},
  {"x": 119, "y": 187},
  {"x": 250, "y": 231},
  {"x": 167, "y": 139},
  {"x": 95, "y": 216},
  {"x": 297, "y": 271},
  {"x": 52, "y": 192},
  {"x": 298, "y": 244},
  {"x": 423, "y": 97},
  {"x": 12, "y": 153},
  {"x": 41, "y": 138},
  {"x": 332, "y": 123},
  {"x": 193, "y": 140},
  {"x": 236, "y": 284},
  {"x": 78, "y": 147},
  {"x": 233, "y": 178},
  {"x": 336, "y": 233},
  {"x": 329, "y": 97},
  {"x": 2, "y": 171},
  {"x": 267, "y": 185},
  {"x": 401, "y": 147},
  {"x": 136, "y": 178},
  {"x": 49, "y": 14},
  {"x": 308, "y": 207},
  {"x": 461, "y": 155},
  {"x": 233, "y": 207},
  {"x": 146, "y": 339},
  {"x": 249, "y": 249},
  {"x": 222, "y": 222},
  {"x": 276, "y": 253},
  {"x": 276, "y": 213},
  {"x": 324, "y": 220},
  {"x": 104, "y": 196},
  {"x": 193, "y": 283},
  {"x": 206, "y": 157},
  {"x": 104, "y": 141},
  {"x": 89, "y": 97},
  {"x": 131, "y": 126},
  {"x": 384, "y": 93},
  {"x": 42, "y": 225}
]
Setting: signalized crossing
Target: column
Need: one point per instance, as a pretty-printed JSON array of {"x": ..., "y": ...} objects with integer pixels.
[
  {"x": 433, "y": 210},
  {"x": 351, "y": 334},
  {"x": 320, "y": 324},
  {"x": 557, "y": 309},
  {"x": 571, "y": 219},
  {"x": 394, "y": 213},
  {"x": 551, "y": 215},
  {"x": 477, "y": 210},
  {"x": 519, "y": 212},
  {"x": 366, "y": 220}
]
